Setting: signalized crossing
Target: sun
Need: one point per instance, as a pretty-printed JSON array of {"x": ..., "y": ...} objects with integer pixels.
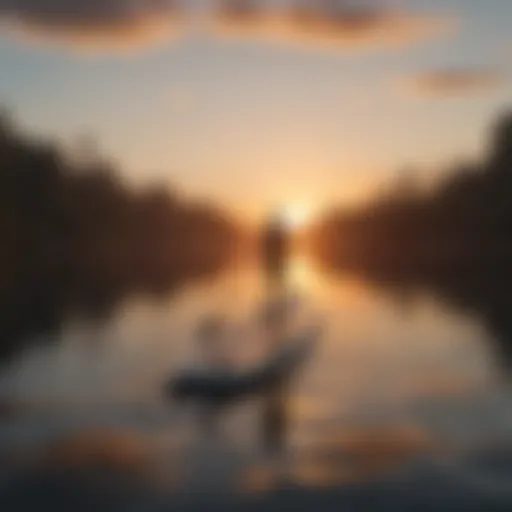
[{"x": 295, "y": 216}]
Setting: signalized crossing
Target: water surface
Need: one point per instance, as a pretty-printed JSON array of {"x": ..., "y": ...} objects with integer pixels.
[{"x": 398, "y": 379}]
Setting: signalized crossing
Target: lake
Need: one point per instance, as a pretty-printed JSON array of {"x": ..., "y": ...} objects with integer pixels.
[{"x": 402, "y": 383}]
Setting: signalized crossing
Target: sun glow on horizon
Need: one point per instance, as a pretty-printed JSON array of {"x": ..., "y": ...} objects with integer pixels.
[{"x": 295, "y": 216}]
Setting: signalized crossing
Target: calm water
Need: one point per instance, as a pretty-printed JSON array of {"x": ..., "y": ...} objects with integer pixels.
[{"x": 396, "y": 380}]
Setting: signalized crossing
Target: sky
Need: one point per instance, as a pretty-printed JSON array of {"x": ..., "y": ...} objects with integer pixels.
[{"x": 258, "y": 107}]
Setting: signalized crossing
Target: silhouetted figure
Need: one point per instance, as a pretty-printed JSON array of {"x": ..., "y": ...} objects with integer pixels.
[
  {"x": 275, "y": 320},
  {"x": 275, "y": 249}
]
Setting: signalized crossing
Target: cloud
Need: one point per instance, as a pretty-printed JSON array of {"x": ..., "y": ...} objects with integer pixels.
[
  {"x": 120, "y": 24},
  {"x": 343, "y": 26},
  {"x": 450, "y": 82},
  {"x": 91, "y": 24}
]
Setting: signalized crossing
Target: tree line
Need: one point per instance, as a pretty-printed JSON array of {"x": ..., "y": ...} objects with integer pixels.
[
  {"x": 73, "y": 235},
  {"x": 463, "y": 220}
]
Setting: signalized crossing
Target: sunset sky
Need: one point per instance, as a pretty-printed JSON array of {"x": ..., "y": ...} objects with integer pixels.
[{"x": 258, "y": 110}]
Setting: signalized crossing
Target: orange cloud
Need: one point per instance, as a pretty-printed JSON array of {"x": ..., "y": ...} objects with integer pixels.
[
  {"x": 451, "y": 82},
  {"x": 340, "y": 27},
  {"x": 92, "y": 24},
  {"x": 125, "y": 24}
]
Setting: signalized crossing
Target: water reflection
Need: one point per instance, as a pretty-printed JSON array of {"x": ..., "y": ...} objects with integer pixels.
[
  {"x": 39, "y": 307},
  {"x": 387, "y": 387},
  {"x": 218, "y": 382},
  {"x": 481, "y": 292}
]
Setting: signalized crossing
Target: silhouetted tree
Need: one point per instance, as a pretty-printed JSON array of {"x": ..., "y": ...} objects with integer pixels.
[
  {"x": 69, "y": 226},
  {"x": 465, "y": 219}
]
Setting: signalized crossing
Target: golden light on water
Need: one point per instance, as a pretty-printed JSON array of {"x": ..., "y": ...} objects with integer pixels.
[{"x": 302, "y": 275}]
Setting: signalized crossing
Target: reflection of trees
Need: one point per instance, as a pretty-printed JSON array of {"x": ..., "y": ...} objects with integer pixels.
[
  {"x": 39, "y": 306},
  {"x": 484, "y": 292},
  {"x": 74, "y": 236},
  {"x": 454, "y": 239}
]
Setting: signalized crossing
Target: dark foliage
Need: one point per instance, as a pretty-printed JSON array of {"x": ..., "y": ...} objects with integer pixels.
[
  {"x": 74, "y": 237},
  {"x": 463, "y": 221},
  {"x": 453, "y": 241}
]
